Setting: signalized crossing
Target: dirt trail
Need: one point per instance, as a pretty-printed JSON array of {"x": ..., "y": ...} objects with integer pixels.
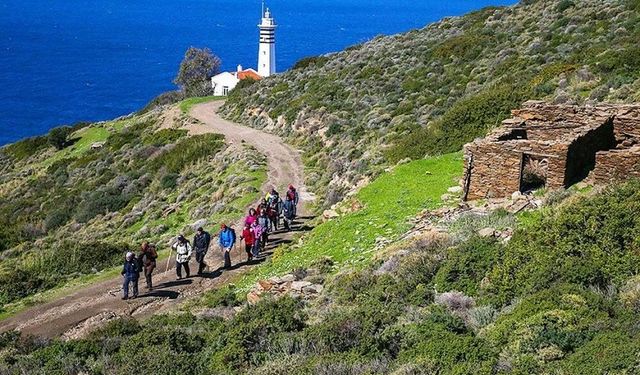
[{"x": 78, "y": 313}]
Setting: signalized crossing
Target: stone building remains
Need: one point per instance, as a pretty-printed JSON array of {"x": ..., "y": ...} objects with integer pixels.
[{"x": 554, "y": 146}]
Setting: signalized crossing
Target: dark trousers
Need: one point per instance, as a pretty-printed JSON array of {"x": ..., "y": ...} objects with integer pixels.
[
  {"x": 179, "y": 268},
  {"x": 125, "y": 286},
  {"x": 227, "y": 258},
  {"x": 200, "y": 259},
  {"x": 249, "y": 249},
  {"x": 148, "y": 271}
]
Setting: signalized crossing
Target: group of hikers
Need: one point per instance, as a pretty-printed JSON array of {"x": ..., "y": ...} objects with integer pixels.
[{"x": 258, "y": 224}]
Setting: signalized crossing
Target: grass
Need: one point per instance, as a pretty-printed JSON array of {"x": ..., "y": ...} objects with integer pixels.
[
  {"x": 85, "y": 138},
  {"x": 187, "y": 104},
  {"x": 387, "y": 204}
]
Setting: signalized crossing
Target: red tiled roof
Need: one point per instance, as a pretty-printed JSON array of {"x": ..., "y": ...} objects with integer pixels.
[{"x": 248, "y": 73}]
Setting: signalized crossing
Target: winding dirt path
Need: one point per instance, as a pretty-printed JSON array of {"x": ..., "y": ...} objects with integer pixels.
[{"x": 90, "y": 307}]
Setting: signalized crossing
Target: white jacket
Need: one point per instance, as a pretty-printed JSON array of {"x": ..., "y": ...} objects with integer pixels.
[{"x": 183, "y": 252}]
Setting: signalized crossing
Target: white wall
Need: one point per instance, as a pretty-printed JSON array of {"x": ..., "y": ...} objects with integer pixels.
[{"x": 222, "y": 81}]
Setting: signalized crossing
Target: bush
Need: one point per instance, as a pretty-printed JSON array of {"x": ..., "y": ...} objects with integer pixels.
[
  {"x": 188, "y": 151},
  {"x": 590, "y": 241},
  {"x": 26, "y": 147},
  {"x": 57, "y": 137}
]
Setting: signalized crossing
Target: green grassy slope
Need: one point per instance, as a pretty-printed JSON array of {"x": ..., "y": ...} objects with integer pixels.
[
  {"x": 431, "y": 90},
  {"x": 143, "y": 184},
  {"x": 387, "y": 203}
]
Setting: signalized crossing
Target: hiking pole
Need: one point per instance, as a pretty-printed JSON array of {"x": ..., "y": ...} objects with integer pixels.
[{"x": 169, "y": 259}]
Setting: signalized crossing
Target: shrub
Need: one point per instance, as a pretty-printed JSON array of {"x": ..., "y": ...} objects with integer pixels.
[
  {"x": 590, "y": 241},
  {"x": 26, "y": 147},
  {"x": 164, "y": 137},
  {"x": 188, "y": 151},
  {"x": 58, "y": 137},
  {"x": 304, "y": 63}
]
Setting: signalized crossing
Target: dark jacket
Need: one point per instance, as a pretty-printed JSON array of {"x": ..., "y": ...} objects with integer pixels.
[
  {"x": 201, "y": 242},
  {"x": 131, "y": 269}
]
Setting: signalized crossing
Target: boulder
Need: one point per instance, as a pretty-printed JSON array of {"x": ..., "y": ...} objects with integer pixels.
[
  {"x": 299, "y": 285},
  {"x": 313, "y": 289},
  {"x": 487, "y": 232},
  {"x": 455, "y": 190},
  {"x": 253, "y": 297}
]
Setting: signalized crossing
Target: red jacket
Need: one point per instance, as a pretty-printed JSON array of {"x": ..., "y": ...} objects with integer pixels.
[{"x": 248, "y": 236}]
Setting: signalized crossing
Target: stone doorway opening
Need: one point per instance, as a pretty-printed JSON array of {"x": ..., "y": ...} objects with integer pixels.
[{"x": 534, "y": 172}]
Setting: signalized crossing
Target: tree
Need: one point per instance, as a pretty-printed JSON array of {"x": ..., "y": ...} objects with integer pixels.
[
  {"x": 57, "y": 137},
  {"x": 196, "y": 69}
]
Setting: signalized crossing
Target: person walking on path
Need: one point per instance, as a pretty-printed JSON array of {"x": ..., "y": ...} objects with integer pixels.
[
  {"x": 251, "y": 217},
  {"x": 257, "y": 235},
  {"x": 249, "y": 240},
  {"x": 292, "y": 195},
  {"x": 147, "y": 260},
  {"x": 131, "y": 273},
  {"x": 227, "y": 239},
  {"x": 183, "y": 255},
  {"x": 288, "y": 211},
  {"x": 201, "y": 242},
  {"x": 264, "y": 223}
]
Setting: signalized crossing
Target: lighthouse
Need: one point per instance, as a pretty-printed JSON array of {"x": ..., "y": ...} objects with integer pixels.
[{"x": 267, "y": 50}]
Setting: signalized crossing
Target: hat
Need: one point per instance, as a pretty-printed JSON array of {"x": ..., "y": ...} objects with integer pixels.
[
  {"x": 129, "y": 255},
  {"x": 223, "y": 226},
  {"x": 181, "y": 238}
]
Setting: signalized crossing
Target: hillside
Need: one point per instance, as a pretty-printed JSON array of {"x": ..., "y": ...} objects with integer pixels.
[
  {"x": 430, "y": 91},
  {"x": 395, "y": 277},
  {"x": 73, "y": 212}
]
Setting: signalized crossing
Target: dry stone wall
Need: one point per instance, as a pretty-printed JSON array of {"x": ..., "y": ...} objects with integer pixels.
[{"x": 569, "y": 142}]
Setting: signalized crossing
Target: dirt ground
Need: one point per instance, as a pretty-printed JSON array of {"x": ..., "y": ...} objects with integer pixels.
[{"x": 90, "y": 307}]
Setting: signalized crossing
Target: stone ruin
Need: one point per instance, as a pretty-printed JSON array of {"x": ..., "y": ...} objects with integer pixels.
[{"x": 554, "y": 146}]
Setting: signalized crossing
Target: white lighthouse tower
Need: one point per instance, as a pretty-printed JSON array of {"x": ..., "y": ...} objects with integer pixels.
[{"x": 267, "y": 50}]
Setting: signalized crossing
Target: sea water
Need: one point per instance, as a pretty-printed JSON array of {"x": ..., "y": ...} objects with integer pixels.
[{"x": 64, "y": 61}]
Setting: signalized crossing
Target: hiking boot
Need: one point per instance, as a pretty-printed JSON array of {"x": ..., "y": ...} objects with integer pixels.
[{"x": 124, "y": 298}]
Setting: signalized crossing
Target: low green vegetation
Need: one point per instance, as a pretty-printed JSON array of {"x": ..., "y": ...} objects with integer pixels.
[
  {"x": 429, "y": 91},
  {"x": 432, "y": 305},
  {"x": 376, "y": 215},
  {"x": 187, "y": 104},
  {"x": 78, "y": 209}
]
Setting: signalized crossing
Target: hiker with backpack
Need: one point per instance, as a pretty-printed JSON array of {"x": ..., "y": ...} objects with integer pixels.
[
  {"x": 147, "y": 261},
  {"x": 251, "y": 217},
  {"x": 226, "y": 239},
  {"x": 183, "y": 255},
  {"x": 288, "y": 209},
  {"x": 249, "y": 240},
  {"x": 264, "y": 223},
  {"x": 292, "y": 195},
  {"x": 201, "y": 242},
  {"x": 257, "y": 236},
  {"x": 131, "y": 273}
]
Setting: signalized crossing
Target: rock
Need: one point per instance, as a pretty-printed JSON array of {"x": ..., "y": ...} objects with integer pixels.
[
  {"x": 446, "y": 197},
  {"x": 200, "y": 223},
  {"x": 486, "y": 232},
  {"x": 253, "y": 297},
  {"x": 313, "y": 289},
  {"x": 287, "y": 279},
  {"x": 517, "y": 195},
  {"x": 455, "y": 190},
  {"x": 264, "y": 285},
  {"x": 330, "y": 214},
  {"x": 299, "y": 285}
]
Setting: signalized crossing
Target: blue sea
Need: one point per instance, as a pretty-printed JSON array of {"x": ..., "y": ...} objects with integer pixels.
[{"x": 64, "y": 61}]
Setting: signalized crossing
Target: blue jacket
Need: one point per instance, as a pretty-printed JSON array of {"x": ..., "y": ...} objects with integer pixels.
[
  {"x": 227, "y": 238},
  {"x": 130, "y": 269}
]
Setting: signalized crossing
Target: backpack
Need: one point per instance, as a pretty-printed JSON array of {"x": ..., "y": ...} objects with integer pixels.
[
  {"x": 291, "y": 195},
  {"x": 233, "y": 234},
  {"x": 152, "y": 253}
]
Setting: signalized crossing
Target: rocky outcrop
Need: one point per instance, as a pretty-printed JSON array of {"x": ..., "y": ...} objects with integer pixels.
[{"x": 306, "y": 285}]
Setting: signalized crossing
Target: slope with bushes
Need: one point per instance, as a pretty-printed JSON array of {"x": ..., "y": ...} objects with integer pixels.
[
  {"x": 429, "y": 91},
  {"x": 75, "y": 211},
  {"x": 561, "y": 297}
]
